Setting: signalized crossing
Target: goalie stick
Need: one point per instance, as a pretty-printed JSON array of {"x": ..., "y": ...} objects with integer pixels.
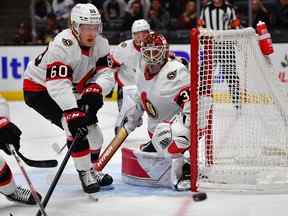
[
  {"x": 33, "y": 191},
  {"x": 111, "y": 149}
]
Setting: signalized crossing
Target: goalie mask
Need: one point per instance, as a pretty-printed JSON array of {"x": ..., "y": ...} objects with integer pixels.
[
  {"x": 155, "y": 49},
  {"x": 86, "y": 14}
]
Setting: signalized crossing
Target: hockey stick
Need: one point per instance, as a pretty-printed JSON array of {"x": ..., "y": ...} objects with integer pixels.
[
  {"x": 111, "y": 149},
  {"x": 33, "y": 191},
  {"x": 59, "y": 173},
  {"x": 38, "y": 163}
]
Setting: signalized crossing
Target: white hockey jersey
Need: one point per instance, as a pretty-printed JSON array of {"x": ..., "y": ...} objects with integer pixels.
[
  {"x": 64, "y": 63},
  {"x": 127, "y": 55},
  {"x": 160, "y": 94}
]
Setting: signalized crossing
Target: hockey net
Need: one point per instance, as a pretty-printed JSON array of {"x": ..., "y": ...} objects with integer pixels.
[{"x": 239, "y": 117}]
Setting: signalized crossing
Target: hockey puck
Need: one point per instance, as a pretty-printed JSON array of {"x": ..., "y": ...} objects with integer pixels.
[{"x": 199, "y": 196}]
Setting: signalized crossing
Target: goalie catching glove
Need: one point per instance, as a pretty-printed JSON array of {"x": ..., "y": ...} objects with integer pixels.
[{"x": 9, "y": 134}]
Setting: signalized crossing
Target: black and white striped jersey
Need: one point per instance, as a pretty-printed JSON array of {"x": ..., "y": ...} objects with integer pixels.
[{"x": 218, "y": 18}]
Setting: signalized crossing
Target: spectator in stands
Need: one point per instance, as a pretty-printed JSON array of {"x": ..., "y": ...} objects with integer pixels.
[
  {"x": 260, "y": 13},
  {"x": 145, "y": 6},
  {"x": 175, "y": 7},
  {"x": 135, "y": 12},
  {"x": 188, "y": 19},
  {"x": 52, "y": 29},
  {"x": 280, "y": 18},
  {"x": 24, "y": 34},
  {"x": 41, "y": 10},
  {"x": 62, "y": 10},
  {"x": 114, "y": 9},
  {"x": 157, "y": 17}
]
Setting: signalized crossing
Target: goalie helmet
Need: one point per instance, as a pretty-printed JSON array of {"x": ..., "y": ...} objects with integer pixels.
[
  {"x": 85, "y": 14},
  {"x": 154, "y": 49}
]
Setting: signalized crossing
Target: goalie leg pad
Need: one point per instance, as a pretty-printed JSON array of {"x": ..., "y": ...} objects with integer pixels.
[
  {"x": 7, "y": 183},
  {"x": 145, "y": 168}
]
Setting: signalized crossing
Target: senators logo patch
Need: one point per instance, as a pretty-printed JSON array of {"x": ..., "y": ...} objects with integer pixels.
[
  {"x": 150, "y": 109},
  {"x": 67, "y": 42},
  {"x": 123, "y": 44},
  {"x": 171, "y": 75},
  {"x": 148, "y": 106}
]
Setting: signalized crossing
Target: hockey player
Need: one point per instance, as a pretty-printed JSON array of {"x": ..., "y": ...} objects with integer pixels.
[
  {"x": 50, "y": 81},
  {"x": 10, "y": 134},
  {"x": 162, "y": 92},
  {"x": 127, "y": 55}
]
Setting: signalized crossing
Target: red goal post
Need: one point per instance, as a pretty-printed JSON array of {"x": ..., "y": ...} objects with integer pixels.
[{"x": 239, "y": 115}]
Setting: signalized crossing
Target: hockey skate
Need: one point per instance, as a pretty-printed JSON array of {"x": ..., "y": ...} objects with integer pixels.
[
  {"x": 102, "y": 179},
  {"x": 184, "y": 183},
  {"x": 23, "y": 195},
  {"x": 89, "y": 184}
]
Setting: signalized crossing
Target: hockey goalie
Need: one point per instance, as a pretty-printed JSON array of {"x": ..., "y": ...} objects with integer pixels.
[{"x": 162, "y": 91}]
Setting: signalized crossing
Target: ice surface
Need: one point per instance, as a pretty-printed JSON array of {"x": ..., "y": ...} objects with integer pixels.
[{"x": 68, "y": 198}]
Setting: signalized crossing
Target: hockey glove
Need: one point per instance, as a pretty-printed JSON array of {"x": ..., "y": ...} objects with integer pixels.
[
  {"x": 91, "y": 101},
  {"x": 9, "y": 134},
  {"x": 76, "y": 121},
  {"x": 133, "y": 119}
]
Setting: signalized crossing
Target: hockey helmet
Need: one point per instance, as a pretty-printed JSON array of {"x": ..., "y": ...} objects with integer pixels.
[{"x": 85, "y": 14}]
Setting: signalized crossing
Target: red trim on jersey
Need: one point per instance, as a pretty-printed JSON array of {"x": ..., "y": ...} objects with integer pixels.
[
  {"x": 150, "y": 134},
  {"x": 181, "y": 101},
  {"x": 173, "y": 149},
  {"x": 3, "y": 122},
  {"x": 31, "y": 86},
  {"x": 80, "y": 153},
  {"x": 6, "y": 173},
  {"x": 115, "y": 63},
  {"x": 136, "y": 46},
  {"x": 120, "y": 83},
  {"x": 99, "y": 68},
  {"x": 56, "y": 63}
]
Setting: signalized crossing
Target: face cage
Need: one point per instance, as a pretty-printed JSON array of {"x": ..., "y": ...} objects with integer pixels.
[
  {"x": 154, "y": 55},
  {"x": 76, "y": 28}
]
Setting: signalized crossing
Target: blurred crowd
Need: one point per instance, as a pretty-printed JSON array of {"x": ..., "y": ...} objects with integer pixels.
[{"x": 51, "y": 16}]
